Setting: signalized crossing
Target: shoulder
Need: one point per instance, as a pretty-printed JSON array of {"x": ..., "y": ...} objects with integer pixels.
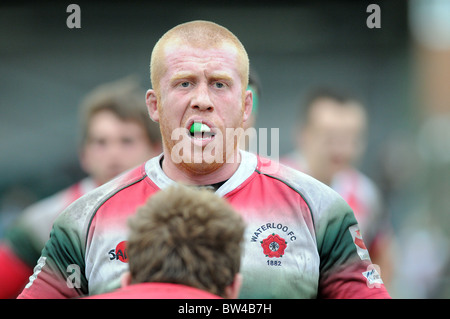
[
  {"x": 330, "y": 213},
  {"x": 357, "y": 179},
  {"x": 49, "y": 205},
  {"x": 319, "y": 197},
  {"x": 39, "y": 217},
  {"x": 78, "y": 214},
  {"x": 360, "y": 185}
]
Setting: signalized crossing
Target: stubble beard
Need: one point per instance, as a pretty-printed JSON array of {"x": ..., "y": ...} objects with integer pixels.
[{"x": 192, "y": 159}]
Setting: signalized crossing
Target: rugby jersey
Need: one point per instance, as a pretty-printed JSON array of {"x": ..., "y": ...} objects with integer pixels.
[{"x": 301, "y": 239}]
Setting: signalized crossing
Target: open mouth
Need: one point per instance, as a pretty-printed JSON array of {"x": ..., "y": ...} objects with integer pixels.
[{"x": 201, "y": 131}]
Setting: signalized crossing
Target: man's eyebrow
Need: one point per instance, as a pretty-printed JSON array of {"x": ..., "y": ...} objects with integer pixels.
[
  {"x": 181, "y": 76},
  {"x": 221, "y": 76},
  {"x": 214, "y": 76}
]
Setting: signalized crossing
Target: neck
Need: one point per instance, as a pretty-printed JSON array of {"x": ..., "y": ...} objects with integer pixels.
[
  {"x": 314, "y": 169},
  {"x": 202, "y": 173}
]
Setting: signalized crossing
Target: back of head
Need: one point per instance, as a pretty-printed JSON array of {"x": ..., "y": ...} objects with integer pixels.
[
  {"x": 186, "y": 236},
  {"x": 198, "y": 34}
]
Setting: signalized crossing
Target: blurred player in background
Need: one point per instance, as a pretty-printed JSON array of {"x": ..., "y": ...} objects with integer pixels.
[
  {"x": 174, "y": 251},
  {"x": 116, "y": 135},
  {"x": 330, "y": 140}
]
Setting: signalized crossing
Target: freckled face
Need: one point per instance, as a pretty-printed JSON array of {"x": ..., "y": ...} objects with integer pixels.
[{"x": 201, "y": 85}]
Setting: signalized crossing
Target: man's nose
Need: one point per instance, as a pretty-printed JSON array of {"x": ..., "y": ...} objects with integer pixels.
[
  {"x": 201, "y": 99},
  {"x": 114, "y": 150}
]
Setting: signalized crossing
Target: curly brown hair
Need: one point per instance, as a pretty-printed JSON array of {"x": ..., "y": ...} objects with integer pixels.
[{"x": 188, "y": 236}]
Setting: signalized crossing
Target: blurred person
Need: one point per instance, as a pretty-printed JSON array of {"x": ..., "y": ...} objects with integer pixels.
[
  {"x": 302, "y": 239},
  {"x": 116, "y": 135},
  {"x": 434, "y": 148},
  {"x": 331, "y": 137},
  {"x": 418, "y": 176},
  {"x": 174, "y": 252}
]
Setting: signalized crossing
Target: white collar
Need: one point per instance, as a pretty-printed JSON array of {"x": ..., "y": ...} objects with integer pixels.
[{"x": 245, "y": 170}]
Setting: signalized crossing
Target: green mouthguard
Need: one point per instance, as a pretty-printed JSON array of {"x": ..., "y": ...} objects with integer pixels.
[{"x": 196, "y": 127}]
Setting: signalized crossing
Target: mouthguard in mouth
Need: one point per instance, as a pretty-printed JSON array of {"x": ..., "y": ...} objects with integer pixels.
[{"x": 200, "y": 130}]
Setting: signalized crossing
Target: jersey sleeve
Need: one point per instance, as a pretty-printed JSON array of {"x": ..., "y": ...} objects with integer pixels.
[
  {"x": 346, "y": 271},
  {"x": 59, "y": 272}
]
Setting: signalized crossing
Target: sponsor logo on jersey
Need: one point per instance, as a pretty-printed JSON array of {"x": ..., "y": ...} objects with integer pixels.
[
  {"x": 359, "y": 243},
  {"x": 373, "y": 277},
  {"x": 119, "y": 253}
]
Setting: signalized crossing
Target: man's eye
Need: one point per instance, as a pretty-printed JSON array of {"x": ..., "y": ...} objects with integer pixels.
[
  {"x": 184, "y": 84},
  {"x": 219, "y": 85},
  {"x": 127, "y": 141},
  {"x": 98, "y": 142}
]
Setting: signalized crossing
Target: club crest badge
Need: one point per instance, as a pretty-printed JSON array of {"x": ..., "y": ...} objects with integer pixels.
[{"x": 273, "y": 246}]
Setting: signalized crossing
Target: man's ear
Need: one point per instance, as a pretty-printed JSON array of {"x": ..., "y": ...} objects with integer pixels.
[
  {"x": 248, "y": 104},
  {"x": 152, "y": 105},
  {"x": 84, "y": 160},
  {"x": 232, "y": 291},
  {"x": 125, "y": 280}
]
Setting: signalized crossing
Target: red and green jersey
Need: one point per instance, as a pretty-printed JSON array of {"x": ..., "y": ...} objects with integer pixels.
[
  {"x": 301, "y": 240},
  {"x": 360, "y": 193}
]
